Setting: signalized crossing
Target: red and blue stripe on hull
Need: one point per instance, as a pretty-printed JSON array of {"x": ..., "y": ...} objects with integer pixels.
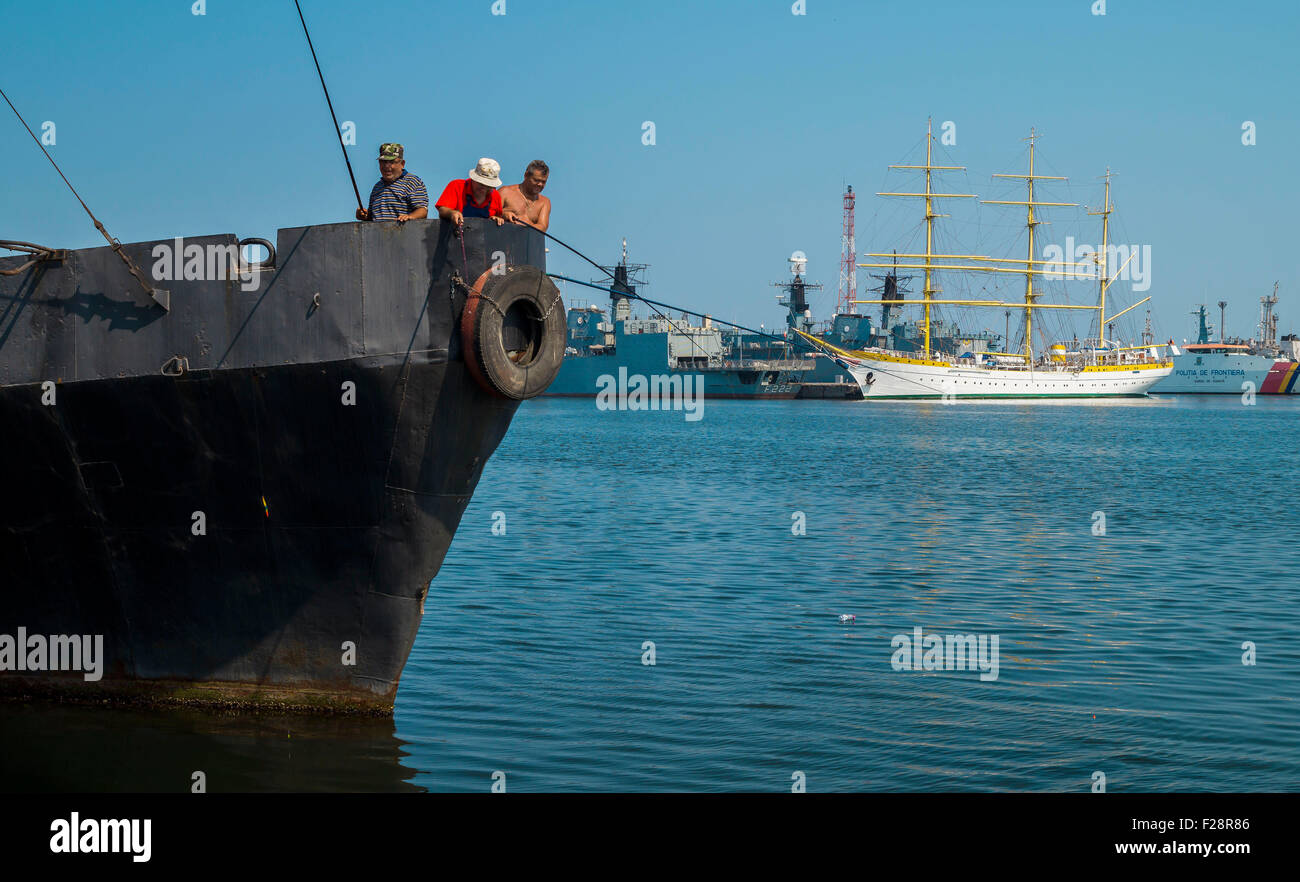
[{"x": 1281, "y": 379}]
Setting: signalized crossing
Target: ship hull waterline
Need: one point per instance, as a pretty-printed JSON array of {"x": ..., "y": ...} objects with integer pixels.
[
  {"x": 899, "y": 380},
  {"x": 587, "y": 376},
  {"x": 1196, "y": 374}
]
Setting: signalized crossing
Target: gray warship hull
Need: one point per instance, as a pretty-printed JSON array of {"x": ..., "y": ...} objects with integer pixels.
[{"x": 248, "y": 495}]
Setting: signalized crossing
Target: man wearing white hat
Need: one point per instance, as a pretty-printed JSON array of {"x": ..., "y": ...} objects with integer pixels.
[{"x": 473, "y": 196}]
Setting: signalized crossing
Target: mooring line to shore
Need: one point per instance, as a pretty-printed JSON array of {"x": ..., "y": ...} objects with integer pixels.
[{"x": 113, "y": 243}]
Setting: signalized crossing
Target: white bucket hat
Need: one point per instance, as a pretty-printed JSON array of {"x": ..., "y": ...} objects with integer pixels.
[{"x": 488, "y": 173}]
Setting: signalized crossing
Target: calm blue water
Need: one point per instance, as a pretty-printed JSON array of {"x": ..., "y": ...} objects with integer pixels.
[{"x": 1119, "y": 653}]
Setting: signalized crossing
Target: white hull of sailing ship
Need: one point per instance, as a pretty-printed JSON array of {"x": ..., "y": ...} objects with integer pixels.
[
  {"x": 889, "y": 376},
  {"x": 1101, "y": 369}
]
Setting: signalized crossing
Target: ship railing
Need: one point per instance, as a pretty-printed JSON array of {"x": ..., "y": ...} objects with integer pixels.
[{"x": 782, "y": 364}]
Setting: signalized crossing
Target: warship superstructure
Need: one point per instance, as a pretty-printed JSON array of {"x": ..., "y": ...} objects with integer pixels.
[
  {"x": 850, "y": 330},
  {"x": 603, "y": 344}
]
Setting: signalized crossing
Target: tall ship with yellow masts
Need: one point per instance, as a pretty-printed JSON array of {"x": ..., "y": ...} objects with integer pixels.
[{"x": 1096, "y": 367}]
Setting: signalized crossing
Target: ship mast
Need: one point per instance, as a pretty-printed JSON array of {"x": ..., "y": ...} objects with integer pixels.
[
  {"x": 929, "y": 291},
  {"x": 1103, "y": 283},
  {"x": 1268, "y": 321},
  {"x": 1031, "y": 266},
  {"x": 1104, "y": 320},
  {"x": 1030, "y": 223},
  {"x": 929, "y": 195}
]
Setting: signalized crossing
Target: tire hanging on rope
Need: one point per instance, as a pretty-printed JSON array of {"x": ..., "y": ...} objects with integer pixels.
[{"x": 512, "y": 332}]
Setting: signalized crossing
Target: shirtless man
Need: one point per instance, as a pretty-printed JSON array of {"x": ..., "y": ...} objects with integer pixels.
[{"x": 524, "y": 201}]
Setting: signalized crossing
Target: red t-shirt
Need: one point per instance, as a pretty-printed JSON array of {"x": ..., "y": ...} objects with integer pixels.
[{"x": 459, "y": 196}]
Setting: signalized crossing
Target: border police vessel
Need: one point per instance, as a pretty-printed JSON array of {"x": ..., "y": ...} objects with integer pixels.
[{"x": 1236, "y": 367}]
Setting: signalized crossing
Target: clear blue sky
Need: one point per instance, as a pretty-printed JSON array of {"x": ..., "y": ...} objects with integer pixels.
[{"x": 174, "y": 124}]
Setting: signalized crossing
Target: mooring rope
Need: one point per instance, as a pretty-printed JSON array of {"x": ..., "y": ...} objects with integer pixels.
[
  {"x": 116, "y": 245},
  {"x": 37, "y": 253}
]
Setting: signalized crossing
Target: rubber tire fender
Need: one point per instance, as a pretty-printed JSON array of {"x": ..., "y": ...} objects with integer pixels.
[{"x": 524, "y": 299}]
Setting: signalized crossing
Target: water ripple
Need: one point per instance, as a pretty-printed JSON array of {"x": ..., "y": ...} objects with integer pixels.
[{"x": 1119, "y": 653}]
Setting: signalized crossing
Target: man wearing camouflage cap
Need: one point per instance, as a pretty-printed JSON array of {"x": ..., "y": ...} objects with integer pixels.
[{"x": 399, "y": 195}]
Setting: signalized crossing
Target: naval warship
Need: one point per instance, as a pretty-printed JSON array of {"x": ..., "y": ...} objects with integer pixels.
[
  {"x": 231, "y": 481},
  {"x": 723, "y": 364}
]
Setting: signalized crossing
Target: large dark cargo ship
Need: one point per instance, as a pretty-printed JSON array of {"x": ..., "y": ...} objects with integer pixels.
[{"x": 245, "y": 485}]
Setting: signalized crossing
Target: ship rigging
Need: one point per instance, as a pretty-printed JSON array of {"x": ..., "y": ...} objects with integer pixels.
[{"x": 1099, "y": 368}]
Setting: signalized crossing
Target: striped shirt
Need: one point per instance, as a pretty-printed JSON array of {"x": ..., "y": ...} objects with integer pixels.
[{"x": 402, "y": 196}]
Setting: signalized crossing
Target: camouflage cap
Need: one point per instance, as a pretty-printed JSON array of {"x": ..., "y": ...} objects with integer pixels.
[{"x": 391, "y": 151}]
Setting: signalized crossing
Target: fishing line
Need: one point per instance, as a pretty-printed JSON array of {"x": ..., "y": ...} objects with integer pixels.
[
  {"x": 330, "y": 103},
  {"x": 632, "y": 296},
  {"x": 520, "y": 220},
  {"x": 637, "y": 297},
  {"x": 653, "y": 303}
]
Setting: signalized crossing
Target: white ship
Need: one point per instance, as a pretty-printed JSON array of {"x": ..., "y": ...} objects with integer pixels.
[
  {"x": 1099, "y": 367},
  {"x": 894, "y": 375},
  {"x": 1234, "y": 366}
]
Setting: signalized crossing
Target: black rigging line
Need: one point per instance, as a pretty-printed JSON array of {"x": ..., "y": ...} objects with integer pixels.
[{"x": 330, "y": 103}]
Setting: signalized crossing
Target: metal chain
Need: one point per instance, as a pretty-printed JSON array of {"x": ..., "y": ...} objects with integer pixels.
[
  {"x": 545, "y": 315},
  {"x": 456, "y": 280}
]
